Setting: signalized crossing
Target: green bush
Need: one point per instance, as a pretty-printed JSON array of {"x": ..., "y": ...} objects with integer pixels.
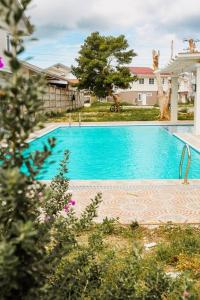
[
  {"x": 108, "y": 225},
  {"x": 46, "y": 251}
]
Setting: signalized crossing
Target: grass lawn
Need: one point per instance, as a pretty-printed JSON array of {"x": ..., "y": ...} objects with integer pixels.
[
  {"x": 100, "y": 112},
  {"x": 176, "y": 249}
]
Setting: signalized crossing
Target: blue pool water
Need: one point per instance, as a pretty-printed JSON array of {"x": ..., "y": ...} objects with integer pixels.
[{"x": 122, "y": 152}]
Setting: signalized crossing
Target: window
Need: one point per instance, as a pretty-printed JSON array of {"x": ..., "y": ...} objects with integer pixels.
[
  {"x": 141, "y": 80},
  {"x": 151, "y": 80},
  {"x": 8, "y": 42},
  {"x": 163, "y": 80}
]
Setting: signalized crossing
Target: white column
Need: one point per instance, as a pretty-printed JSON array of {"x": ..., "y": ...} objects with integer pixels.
[
  {"x": 197, "y": 103},
  {"x": 174, "y": 99}
]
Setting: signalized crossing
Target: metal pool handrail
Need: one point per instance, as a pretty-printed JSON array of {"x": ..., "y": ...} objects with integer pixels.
[
  {"x": 79, "y": 119},
  {"x": 70, "y": 119},
  {"x": 186, "y": 147}
]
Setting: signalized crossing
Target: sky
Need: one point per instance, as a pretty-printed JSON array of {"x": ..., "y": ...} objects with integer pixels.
[{"x": 63, "y": 25}]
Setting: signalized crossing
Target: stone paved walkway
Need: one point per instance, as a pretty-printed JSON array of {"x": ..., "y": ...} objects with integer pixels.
[{"x": 154, "y": 203}]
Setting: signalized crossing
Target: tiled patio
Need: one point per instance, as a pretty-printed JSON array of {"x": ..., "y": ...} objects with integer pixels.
[{"x": 150, "y": 202}]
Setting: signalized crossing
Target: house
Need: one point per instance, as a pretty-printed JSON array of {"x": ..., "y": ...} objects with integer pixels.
[
  {"x": 143, "y": 91},
  {"x": 64, "y": 71},
  {"x": 60, "y": 70},
  {"x": 5, "y": 44},
  {"x": 58, "y": 96}
]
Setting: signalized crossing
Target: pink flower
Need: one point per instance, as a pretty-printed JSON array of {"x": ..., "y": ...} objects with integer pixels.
[
  {"x": 67, "y": 206},
  {"x": 186, "y": 294},
  {"x": 72, "y": 202},
  {"x": 1, "y": 63}
]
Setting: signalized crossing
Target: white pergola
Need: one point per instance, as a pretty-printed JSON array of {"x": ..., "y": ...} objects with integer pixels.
[{"x": 185, "y": 62}]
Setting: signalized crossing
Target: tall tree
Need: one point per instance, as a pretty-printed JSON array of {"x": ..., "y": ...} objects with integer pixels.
[{"x": 102, "y": 64}]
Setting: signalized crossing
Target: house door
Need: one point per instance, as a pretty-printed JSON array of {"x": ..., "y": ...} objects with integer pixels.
[{"x": 144, "y": 99}]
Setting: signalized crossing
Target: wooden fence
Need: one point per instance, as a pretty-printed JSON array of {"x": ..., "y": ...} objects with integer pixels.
[{"x": 60, "y": 99}]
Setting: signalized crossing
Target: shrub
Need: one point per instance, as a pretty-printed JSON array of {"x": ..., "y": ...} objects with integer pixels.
[
  {"x": 134, "y": 225},
  {"x": 108, "y": 225},
  {"x": 42, "y": 254}
]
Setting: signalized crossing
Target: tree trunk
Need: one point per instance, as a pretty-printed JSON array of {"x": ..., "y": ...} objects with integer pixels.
[
  {"x": 116, "y": 99},
  {"x": 164, "y": 107},
  {"x": 163, "y": 99}
]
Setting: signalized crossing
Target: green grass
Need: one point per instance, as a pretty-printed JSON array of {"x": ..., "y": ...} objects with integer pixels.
[
  {"x": 100, "y": 112},
  {"x": 177, "y": 247},
  {"x": 186, "y": 116}
]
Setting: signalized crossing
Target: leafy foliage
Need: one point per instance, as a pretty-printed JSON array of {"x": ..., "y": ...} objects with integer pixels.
[
  {"x": 30, "y": 246},
  {"x": 46, "y": 250},
  {"x": 101, "y": 64}
]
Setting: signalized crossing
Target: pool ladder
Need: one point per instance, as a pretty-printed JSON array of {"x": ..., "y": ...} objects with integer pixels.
[
  {"x": 70, "y": 119},
  {"x": 185, "y": 148}
]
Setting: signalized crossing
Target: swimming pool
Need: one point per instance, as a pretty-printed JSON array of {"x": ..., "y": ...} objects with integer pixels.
[{"x": 116, "y": 152}]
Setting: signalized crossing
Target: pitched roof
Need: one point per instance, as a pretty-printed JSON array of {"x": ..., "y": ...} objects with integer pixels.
[
  {"x": 59, "y": 65},
  {"x": 145, "y": 71},
  {"x": 73, "y": 81},
  {"x": 36, "y": 69},
  {"x": 141, "y": 71}
]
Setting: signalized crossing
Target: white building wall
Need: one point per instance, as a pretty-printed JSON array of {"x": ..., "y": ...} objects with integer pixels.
[
  {"x": 136, "y": 86},
  {"x": 146, "y": 87},
  {"x": 3, "y": 47}
]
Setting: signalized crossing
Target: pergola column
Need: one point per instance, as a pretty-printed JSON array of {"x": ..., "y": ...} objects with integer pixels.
[
  {"x": 197, "y": 102},
  {"x": 174, "y": 99}
]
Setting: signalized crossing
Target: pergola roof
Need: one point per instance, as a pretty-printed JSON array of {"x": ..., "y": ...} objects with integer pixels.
[{"x": 183, "y": 62}]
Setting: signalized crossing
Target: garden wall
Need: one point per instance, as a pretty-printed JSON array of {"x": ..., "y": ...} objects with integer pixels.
[{"x": 60, "y": 99}]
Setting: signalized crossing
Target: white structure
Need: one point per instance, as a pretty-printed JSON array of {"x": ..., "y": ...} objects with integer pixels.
[
  {"x": 65, "y": 72},
  {"x": 5, "y": 44},
  {"x": 185, "y": 87},
  {"x": 185, "y": 62}
]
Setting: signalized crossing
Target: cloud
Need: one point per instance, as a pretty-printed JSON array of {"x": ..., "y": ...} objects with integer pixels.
[
  {"x": 147, "y": 24},
  {"x": 94, "y": 23},
  {"x": 74, "y": 14}
]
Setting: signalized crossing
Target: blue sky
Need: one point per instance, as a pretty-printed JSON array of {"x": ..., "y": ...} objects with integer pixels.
[{"x": 62, "y": 26}]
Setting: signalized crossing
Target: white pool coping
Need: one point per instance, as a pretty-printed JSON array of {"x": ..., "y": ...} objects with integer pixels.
[
  {"x": 126, "y": 184},
  {"x": 190, "y": 139}
]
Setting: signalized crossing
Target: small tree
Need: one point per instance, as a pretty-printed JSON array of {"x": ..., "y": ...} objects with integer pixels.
[
  {"x": 102, "y": 65},
  {"x": 22, "y": 253},
  {"x": 27, "y": 256}
]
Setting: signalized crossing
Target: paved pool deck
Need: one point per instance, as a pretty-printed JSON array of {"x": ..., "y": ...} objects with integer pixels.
[{"x": 150, "y": 202}]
